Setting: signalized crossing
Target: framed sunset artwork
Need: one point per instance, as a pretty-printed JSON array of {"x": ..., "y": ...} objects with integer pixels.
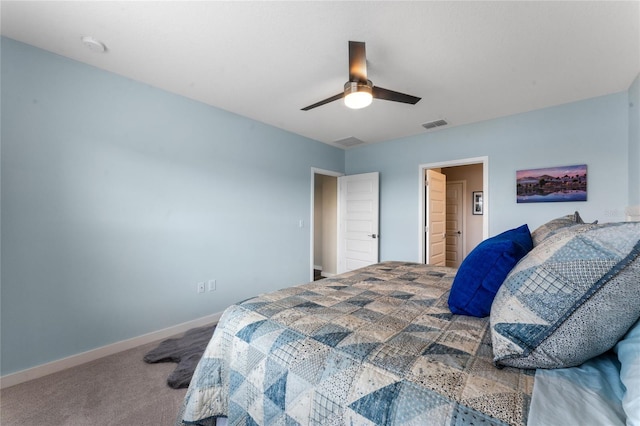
[{"x": 552, "y": 184}]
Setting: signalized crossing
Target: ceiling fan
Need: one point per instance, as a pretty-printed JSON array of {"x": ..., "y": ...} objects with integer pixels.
[{"x": 359, "y": 91}]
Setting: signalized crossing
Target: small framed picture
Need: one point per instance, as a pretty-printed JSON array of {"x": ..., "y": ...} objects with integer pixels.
[{"x": 478, "y": 207}]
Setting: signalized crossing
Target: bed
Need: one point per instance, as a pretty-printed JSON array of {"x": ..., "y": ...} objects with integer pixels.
[{"x": 381, "y": 345}]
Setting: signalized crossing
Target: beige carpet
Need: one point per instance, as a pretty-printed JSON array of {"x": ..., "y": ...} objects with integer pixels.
[{"x": 120, "y": 389}]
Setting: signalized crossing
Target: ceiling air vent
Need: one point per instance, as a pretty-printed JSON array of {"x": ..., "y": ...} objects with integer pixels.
[
  {"x": 433, "y": 124},
  {"x": 349, "y": 142}
]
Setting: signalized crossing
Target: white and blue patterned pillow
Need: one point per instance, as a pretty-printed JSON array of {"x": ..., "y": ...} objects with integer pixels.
[{"x": 570, "y": 299}]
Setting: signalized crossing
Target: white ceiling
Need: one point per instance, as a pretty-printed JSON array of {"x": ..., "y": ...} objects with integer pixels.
[{"x": 469, "y": 61}]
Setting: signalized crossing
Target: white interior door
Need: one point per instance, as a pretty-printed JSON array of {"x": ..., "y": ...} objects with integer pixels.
[
  {"x": 358, "y": 197},
  {"x": 455, "y": 223},
  {"x": 435, "y": 234}
]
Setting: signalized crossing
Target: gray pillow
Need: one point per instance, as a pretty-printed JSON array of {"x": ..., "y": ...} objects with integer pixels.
[
  {"x": 570, "y": 299},
  {"x": 549, "y": 228}
]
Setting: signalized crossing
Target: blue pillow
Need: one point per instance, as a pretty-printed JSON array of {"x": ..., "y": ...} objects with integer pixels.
[{"x": 484, "y": 270}]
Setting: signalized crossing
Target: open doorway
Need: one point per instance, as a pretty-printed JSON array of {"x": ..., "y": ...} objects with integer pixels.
[
  {"x": 450, "y": 232},
  {"x": 344, "y": 222},
  {"x": 324, "y": 223}
]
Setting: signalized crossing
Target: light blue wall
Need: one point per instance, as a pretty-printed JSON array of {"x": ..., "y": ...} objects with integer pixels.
[
  {"x": 634, "y": 143},
  {"x": 592, "y": 132},
  {"x": 117, "y": 198}
]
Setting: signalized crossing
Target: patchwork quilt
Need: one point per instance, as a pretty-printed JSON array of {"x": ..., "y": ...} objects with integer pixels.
[{"x": 375, "y": 346}]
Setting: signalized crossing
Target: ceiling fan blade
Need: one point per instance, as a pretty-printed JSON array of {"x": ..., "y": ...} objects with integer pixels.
[
  {"x": 357, "y": 61},
  {"x": 390, "y": 95},
  {"x": 324, "y": 101}
]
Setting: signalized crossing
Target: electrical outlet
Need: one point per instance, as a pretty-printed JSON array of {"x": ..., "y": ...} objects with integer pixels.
[
  {"x": 201, "y": 287},
  {"x": 212, "y": 285}
]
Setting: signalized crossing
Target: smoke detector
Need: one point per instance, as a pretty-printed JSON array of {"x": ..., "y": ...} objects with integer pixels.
[{"x": 93, "y": 44}]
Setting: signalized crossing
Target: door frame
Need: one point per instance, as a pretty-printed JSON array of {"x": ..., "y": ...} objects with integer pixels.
[
  {"x": 421, "y": 197},
  {"x": 314, "y": 171}
]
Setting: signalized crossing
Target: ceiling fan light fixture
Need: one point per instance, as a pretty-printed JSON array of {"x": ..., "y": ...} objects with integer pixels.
[
  {"x": 359, "y": 91},
  {"x": 358, "y": 95}
]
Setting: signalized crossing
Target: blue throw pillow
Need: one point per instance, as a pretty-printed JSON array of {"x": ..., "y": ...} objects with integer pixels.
[{"x": 484, "y": 270}]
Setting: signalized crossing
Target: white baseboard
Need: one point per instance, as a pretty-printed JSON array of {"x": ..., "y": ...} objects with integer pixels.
[
  {"x": 328, "y": 274},
  {"x": 93, "y": 354},
  {"x": 317, "y": 267}
]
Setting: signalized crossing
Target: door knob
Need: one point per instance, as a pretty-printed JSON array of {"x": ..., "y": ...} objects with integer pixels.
[{"x": 374, "y": 236}]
